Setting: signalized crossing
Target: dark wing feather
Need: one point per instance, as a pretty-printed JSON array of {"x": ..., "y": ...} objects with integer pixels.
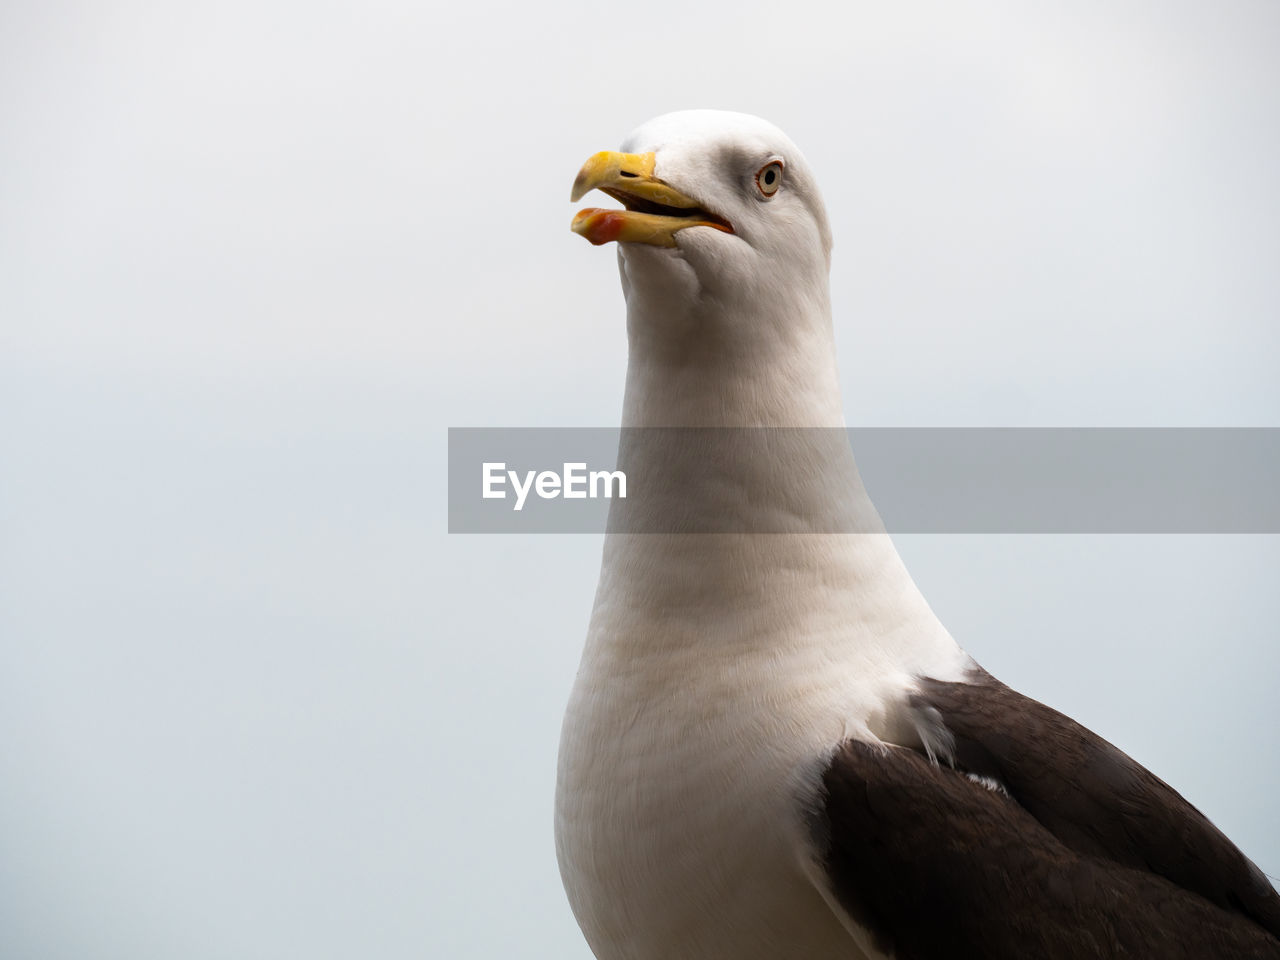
[
  {"x": 1095, "y": 798},
  {"x": 937, "y": 866},
  {"x": 1090, "y": 855}
]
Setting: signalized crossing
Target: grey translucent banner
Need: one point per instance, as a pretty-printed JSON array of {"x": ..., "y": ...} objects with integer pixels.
[{"x": 921, "y": 480}]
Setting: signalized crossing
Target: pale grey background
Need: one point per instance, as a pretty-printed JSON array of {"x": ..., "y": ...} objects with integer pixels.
[{"x": 255, "y": 257}]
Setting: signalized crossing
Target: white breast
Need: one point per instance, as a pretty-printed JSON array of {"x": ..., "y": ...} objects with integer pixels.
[{"x": 713, "y": 689}]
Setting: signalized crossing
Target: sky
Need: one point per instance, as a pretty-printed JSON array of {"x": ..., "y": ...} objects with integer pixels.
[{"x": 256, "y": 258}]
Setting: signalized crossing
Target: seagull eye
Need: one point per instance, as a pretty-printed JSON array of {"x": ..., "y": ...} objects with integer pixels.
[{"x": 769, "y": 179}]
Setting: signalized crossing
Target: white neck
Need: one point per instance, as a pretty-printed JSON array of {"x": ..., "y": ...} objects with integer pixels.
[
  {"x": 691, "y": 365},
  {"x": 754, "y": 374},
  {"x": 701, "y": 357}
]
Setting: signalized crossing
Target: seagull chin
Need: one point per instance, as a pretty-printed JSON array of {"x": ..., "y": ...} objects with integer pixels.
[{"x": 773, "y": 748}]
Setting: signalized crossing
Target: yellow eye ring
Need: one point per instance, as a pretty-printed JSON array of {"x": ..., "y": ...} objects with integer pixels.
[{"x": 769, "y": 179}]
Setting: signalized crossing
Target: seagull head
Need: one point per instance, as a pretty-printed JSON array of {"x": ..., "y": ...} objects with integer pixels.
[{"x": 716, "y": 204}]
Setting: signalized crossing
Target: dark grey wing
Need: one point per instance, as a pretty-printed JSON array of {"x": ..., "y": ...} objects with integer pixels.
[
  {"x": 935, "y": 865},
  {"x": 1087, "y": 855},
  {"x": 1094, "y": 797}
]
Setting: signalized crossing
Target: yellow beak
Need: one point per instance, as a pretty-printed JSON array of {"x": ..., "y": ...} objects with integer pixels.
[{"x": 654, "y": 210}]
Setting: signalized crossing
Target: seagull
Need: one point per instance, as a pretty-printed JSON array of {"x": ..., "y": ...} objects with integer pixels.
[{"x": 773, "y": 748}]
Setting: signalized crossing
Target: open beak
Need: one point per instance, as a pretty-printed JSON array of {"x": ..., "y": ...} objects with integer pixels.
[{"x": 654, "y": 210}]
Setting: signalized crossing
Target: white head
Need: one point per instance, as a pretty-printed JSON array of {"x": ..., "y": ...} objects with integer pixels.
[
  {"x": 685, "y": 177},
  {"x": 724, "y": 250}
]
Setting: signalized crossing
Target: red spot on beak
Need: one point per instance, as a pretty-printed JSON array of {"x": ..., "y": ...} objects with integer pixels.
[{"x": 599, "y": 226}]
